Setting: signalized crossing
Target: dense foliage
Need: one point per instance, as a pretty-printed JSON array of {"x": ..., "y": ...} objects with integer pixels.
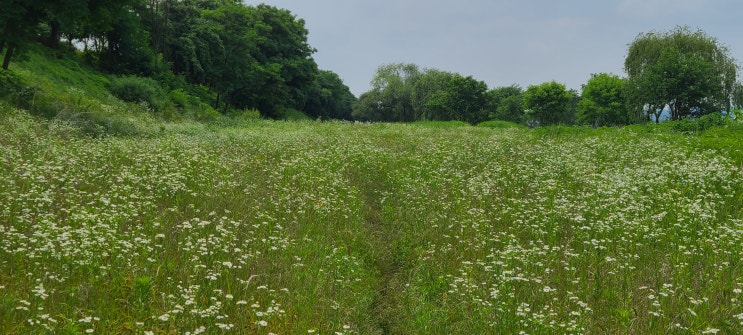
[
  {"x": 404, "y": 92},
  {"x": 602, "y": 102},
  {"x": 258, "y": 58},
  {"x": 681, "y": 73},
  {"x": 506, "y": 104},
  {"x": 688, "y": 73},
  {"x": 254, "y": 57},
  {"x": 549, "y": 103}
]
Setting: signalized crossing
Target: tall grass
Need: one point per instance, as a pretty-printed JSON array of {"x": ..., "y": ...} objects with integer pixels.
[
  {"x": 57, "y": 85},
  {"x": 327, "y": 228}
]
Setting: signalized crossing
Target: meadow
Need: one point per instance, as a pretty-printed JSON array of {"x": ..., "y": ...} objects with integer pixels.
[{"x": 341, "y": 228}]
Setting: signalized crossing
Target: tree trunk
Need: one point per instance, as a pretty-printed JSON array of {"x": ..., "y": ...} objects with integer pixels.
[
  {"x": 8, "y": 56},
  {"x": 658, "y": 113},
  {"x": 111, "y": 51},
  {"x": 54, "y": 34},
  {"x": 673, "y": 109}
]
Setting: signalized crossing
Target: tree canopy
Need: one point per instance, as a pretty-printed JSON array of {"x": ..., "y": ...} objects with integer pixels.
[
  {"x": 430, "y": 83},
  {"x": 602, "y": 102},
  {"x": 505, "y": 103},
  {"x": 463, "y": 99},
  {"x": 252, "y": 57},
  {"x": 404, "y": 92},
  {"x": 685, "y": 71},
  {"x": 549, "y": 103},
  {"x": 258, "y": 57},
  {"x": 19, "y": 24},
  {"x": 329, "y": 98}
]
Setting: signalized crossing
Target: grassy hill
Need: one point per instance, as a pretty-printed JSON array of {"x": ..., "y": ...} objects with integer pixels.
[
  {"x": 58, "y": 86},
  {"x": 117, "y": 219}
]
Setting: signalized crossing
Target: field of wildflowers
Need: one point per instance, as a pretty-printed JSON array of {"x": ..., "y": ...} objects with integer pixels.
[{"x": 339, "y": 228}]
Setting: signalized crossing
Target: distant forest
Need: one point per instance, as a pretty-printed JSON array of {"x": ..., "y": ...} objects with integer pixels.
[{"x": 676, "y": 75}]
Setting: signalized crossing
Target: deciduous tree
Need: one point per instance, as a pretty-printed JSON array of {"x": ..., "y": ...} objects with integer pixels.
[
  {"x": 506, "y": 103},
  {"x": 369, "y": 107},
  {"x": 548, "y": 103},
  {"x": 430, "y": 83},
  {"x": 465, "y": 99},
  {"x": 393, "y": 84},
  {"x": 19, "y": 25},
  {"x": 329, "y": 98},
  {"x": 603, "y": 101},
  {"x": 267, "y": 64},
  {"x": 686, "y": 71}
]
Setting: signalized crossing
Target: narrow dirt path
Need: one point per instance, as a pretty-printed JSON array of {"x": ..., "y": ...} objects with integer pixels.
[{"x": 383, "y": 234}]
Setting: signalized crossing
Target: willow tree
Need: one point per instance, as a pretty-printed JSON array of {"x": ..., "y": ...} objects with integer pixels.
[
  {"x": 687, "y": 72},
  {"x": 430, "y": 83},
  {"x": 391, "y": 96}
]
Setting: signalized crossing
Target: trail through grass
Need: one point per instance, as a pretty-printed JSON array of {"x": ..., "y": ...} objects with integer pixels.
[{"x": 339, "y": 228}]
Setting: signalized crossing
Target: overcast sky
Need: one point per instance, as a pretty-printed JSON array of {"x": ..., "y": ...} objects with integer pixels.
[{"x": 500, "y": 42}]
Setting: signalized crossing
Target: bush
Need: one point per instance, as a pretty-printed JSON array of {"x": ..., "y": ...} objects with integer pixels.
[
  {"x": 21, "y": 95},
  {"x": 10, "y": 83},
  {"x": 442, "y": 124},
  {"x": 499, "y": 124},
  {"x": 292, "y": 114},
  {"x": 244, "y": 114},
  {"x": 140, "y": 90},
  {"x": 92, "y": 117},
  {"x": 99, "y": 125},
  {"x": 698, "y": 125},
  {"x": 180, "y": 98},
  {"x": 205, "y": 113}
]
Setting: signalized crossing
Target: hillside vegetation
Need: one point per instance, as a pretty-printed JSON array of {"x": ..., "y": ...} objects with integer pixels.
[
  {"x": 117, "y": 220},
  {"x": 184, "y": 54}
]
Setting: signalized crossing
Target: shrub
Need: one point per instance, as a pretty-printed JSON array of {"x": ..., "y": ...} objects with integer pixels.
[
  {"x": 244, "y": 114},
  {"x": 205, "y": 113},
  {"x": 21, "y": 95},
  {"x": 139, "y": 90},
  {"x": 442, "y": 124},
  {"x": 180, "y": 98},
  {"x": 43, "y": 104},
  {"x": 10, "y": 83},
  {"x": 96, "y": 120},
  {"x": 698, "y": 125},
  {"x": 499, "y": 124},
  {"x": 292, "y": 114}
]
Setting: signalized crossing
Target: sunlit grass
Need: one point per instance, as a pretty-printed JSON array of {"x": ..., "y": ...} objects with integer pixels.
[{"x": 295, "y": 228}]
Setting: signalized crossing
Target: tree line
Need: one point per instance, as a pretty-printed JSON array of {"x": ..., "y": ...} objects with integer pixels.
[
  {"x": 682, "y": 73},
  {"x": 258, "y": 57},
  {"x": 250, "y": 57}
]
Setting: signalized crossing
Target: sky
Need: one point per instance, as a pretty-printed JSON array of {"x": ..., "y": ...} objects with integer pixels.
[{"x": 500, "y": 42}]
